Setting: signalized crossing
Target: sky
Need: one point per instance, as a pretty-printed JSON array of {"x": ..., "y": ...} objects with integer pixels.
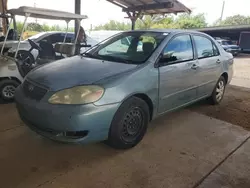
[{"x": 101, "y": 11}]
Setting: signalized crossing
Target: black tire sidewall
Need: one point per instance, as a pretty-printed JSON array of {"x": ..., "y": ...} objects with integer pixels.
[
  {"x": 214, "y": 100},
  {"x": 115, "y": 140},
  {"x": 5, "y": 83}
]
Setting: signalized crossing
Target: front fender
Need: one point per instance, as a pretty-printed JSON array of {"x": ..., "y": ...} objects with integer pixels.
[{"x": 143, "y": 80}]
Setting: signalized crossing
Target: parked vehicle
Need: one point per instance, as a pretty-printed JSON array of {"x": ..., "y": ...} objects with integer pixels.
[
  {"x": 229, "y": 46},
  {"x": 111, "y": 94},
  {"x": 244, "y": 41},
  {"x": 52, "y": 37},
  {"x": 17, "y": 62}
]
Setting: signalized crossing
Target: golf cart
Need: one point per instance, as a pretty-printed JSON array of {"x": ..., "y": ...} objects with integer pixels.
[{"x": 15, "y": 65}]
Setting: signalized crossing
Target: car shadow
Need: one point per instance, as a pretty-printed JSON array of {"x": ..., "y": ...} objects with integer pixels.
[{"x": 5, "y": 102}]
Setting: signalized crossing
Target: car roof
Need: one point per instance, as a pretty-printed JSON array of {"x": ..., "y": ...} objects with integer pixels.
[
  {"x": 59, "y": 32},
  {"x": 169, "y": 31}
]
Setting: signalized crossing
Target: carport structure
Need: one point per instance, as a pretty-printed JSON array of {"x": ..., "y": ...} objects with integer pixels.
[
  {"x": 137, "y": 8},
  {"x": 233, "y": 32}
]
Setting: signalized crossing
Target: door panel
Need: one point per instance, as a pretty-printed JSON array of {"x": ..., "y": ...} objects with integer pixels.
[
  {"x": 177, "y": 85},
  {"x": 209, "y": 64},
  {"x": 208, "y": 74},
  {"x": 177, "y": 80}
]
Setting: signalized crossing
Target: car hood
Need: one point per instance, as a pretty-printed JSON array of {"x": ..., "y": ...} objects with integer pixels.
[{"x": 75, "y": 71}]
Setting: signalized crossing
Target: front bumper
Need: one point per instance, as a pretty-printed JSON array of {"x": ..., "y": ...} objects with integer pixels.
[{"x": 66, "y": 123}]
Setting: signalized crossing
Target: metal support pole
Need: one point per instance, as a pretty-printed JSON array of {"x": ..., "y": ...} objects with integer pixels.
[
  {"x": 133, "y": 20},
  {"x": 4, "y": 21},
  {"x": 66, "y": 33},
  {"x": 133, "y": 24},
  {"x": 77, "y": 11},
  {"x": 77, "y": 34},
  {"x": 24, "y": 26},
  {"x": 222, "y": 10}
]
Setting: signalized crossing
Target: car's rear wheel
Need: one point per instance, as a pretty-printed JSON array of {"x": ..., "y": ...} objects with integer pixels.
[
  {"x": 7, "y": 89},
  {"x": 129, "y": 124},
  {"x": 219, "y": 91}
]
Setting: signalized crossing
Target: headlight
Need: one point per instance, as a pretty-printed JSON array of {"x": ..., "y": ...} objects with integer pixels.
[
  {"x": 77, "y": 95},
  {"x": 228, "y": 49}
]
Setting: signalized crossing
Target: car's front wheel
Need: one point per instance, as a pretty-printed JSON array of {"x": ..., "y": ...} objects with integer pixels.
[
  {"x": 219, "y": 91},
  {"x": 129, "y": 124}
]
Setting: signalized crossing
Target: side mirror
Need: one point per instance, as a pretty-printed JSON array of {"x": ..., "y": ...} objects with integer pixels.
[
  {"x": 164, "y": 59},
  {"x": 159, "y": 61}
]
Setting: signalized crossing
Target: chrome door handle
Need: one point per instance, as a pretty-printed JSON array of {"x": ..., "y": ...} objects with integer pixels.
[
  {"x": 194, "y": 66},
  {"x": 218, "y": 61}
]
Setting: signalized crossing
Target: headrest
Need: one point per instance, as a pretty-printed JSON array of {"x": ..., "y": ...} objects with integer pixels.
[{"x": 148, "y": 47}]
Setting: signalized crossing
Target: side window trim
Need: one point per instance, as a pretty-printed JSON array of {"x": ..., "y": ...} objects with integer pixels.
[
  {"x": 213, "y": 45},
  {"x": 216, "y": 48},
  {"x": 180, "y": 61}
]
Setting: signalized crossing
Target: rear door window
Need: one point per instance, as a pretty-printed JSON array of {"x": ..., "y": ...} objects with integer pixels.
[{"x": 205, "y": 47}]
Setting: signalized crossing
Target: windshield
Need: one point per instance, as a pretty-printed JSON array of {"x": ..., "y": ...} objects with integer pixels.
[
  {"x": 227, "y": 42},
  {"x": 129, "y": 47}
]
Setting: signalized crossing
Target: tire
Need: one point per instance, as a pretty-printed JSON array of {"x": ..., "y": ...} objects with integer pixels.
[
  {"x": 7, "y": 89},
  {"x": 218, "y": 92},
  {"x": 129, "y": 124}
]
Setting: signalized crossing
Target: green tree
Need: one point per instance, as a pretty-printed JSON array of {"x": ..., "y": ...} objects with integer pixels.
[
  {"x": 45, "y": 27},
  {"x": 34, "y": 27},
  {"x": 114, "y": 25},
  {"x": 183, "y": 21},
  {"x": 187, "y": 21},
  {"x": 39, "y": 28},
  {"x": 148, "y": 21},
  {"x": 167, "y": 22},
  {"x": 235, "y": 20},
  {"x": 19, "y": 27}
]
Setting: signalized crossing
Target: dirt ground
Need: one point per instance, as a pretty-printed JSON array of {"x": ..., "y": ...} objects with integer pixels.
[{"x": 235, "y": 107}]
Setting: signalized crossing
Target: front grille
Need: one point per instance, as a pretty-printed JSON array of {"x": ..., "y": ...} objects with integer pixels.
[{"x": 33, "y": 91}]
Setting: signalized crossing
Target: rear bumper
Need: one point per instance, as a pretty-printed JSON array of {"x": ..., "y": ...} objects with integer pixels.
[
  {"x": 66, "y": 123},
  {"x": 234, "y": 52}
]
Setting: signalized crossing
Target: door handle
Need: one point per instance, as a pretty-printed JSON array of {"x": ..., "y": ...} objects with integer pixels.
[
  {"x": 218, "y": 61},
  {"x": 194, "y": 66}
]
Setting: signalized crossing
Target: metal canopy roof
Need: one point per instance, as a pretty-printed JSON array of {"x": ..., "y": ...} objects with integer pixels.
[
  {"x": 151, "y": 6},
  {"x": 45, "y": 13}
]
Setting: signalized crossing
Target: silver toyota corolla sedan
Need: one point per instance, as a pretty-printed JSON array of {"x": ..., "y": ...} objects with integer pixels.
[{"x": 113, "y": 91}]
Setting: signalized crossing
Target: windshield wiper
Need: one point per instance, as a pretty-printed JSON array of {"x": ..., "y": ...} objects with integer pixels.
[
  {"x": 90, "y": 55},
  {"x": 114, "y": 58}
]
